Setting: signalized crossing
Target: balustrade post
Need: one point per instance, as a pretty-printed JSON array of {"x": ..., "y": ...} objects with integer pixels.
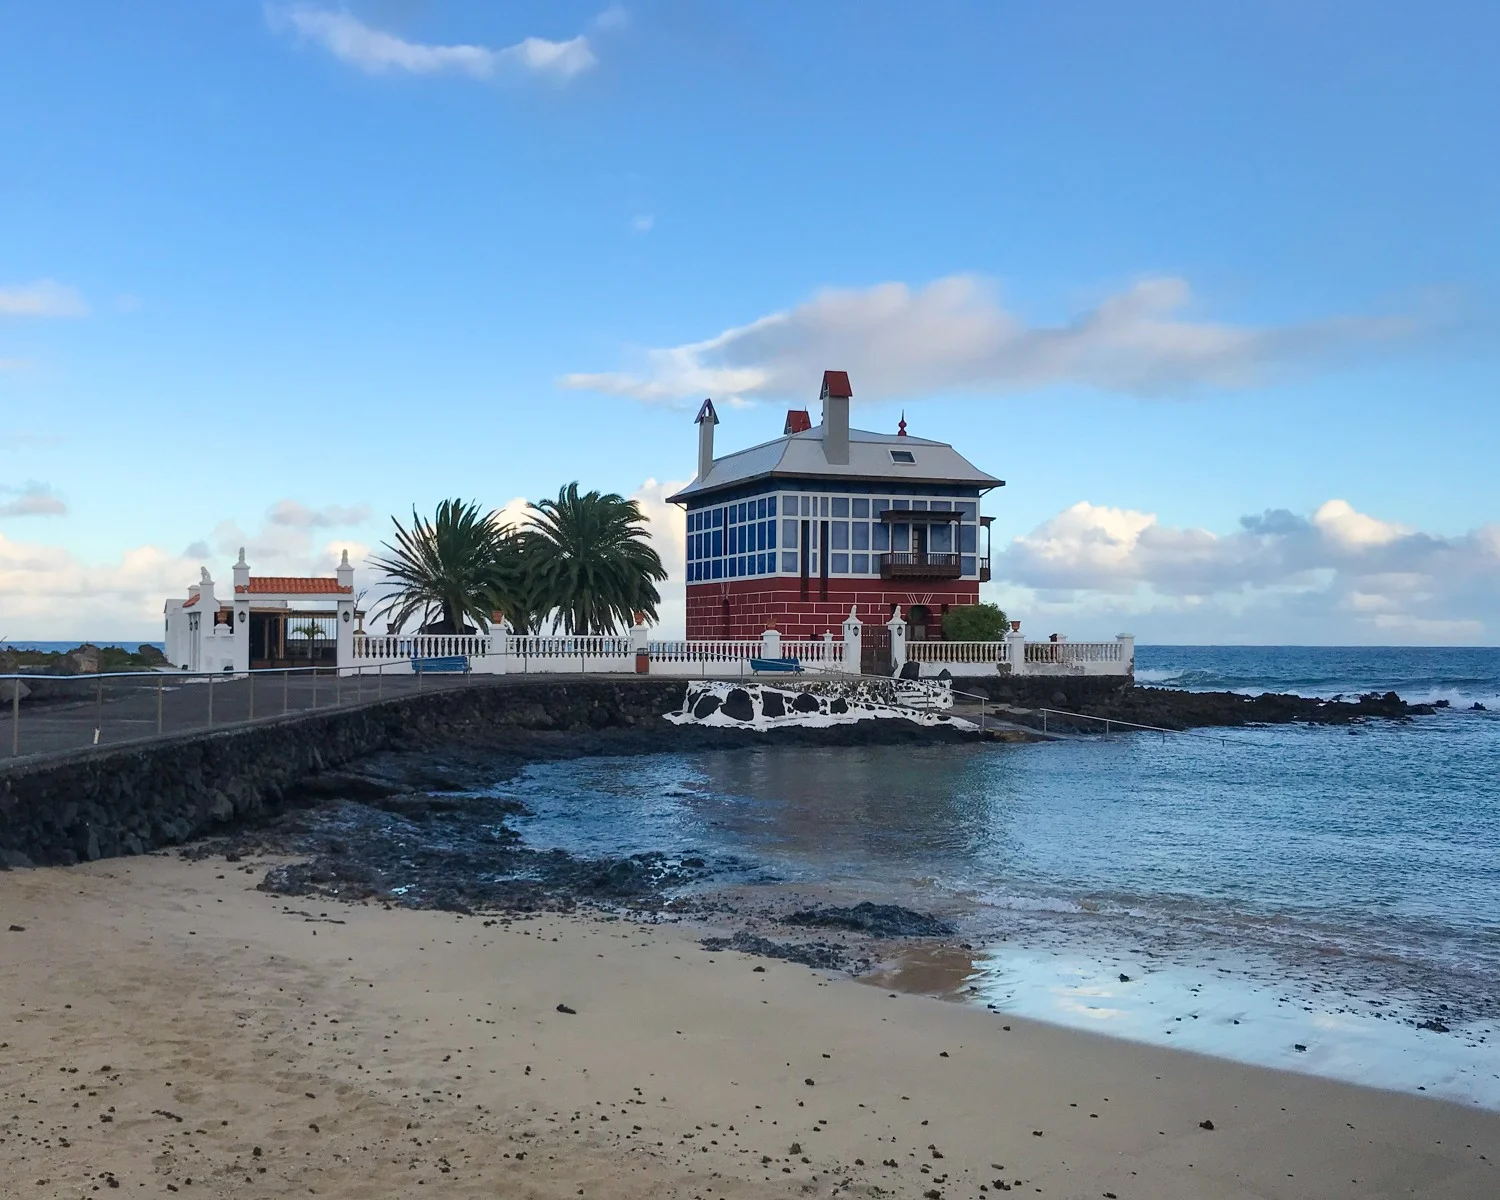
[
  {"x": 1127, "y": 651},
  {"x": 1015, "y": 651}
]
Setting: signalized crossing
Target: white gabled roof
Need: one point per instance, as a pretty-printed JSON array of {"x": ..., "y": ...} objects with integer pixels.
[{"x": 800, "y": 456}]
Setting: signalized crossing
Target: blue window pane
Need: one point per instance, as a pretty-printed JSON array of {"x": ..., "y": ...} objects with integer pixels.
[
  {"x": 861, "y": 563},
  {"x": 840, "y": 564},
  {"x": 770, "y": 535},
  {"x": 760, "y": 535},
  {"x": 900, "y": 537},
  {"x": 861, "y": 508},
  {"x": 771, "y": 506},
  {"x": 919, "y": 505},
  {"x": 789, "y": 561},
  {"x": 739, "y": 512},
  {"x": 760, "y": 564},
  {"x": 880, "y": 536},
  {"x": 969, "y": 509},
  {"x": 742, "y": 566},
  {"x": 861, "y": 536},
  {"x": 940, "y": 539},
  {"x": 841, "y": 506},
  {"x": 840, "y": 532},
  {"x": 718, "y": 568},
  {"x": 900, "y": 503},
  {"x": 968, "y": 538},
  {"x": 942, "y": 506},
  {"x": 718, "y": 546},
  {"x": 967, "y": 565},
  {"x": 734, "y": 567},
  {"x": 760, "y": 509}
]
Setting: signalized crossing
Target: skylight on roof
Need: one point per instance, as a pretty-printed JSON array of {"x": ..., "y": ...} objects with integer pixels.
[{"x": 903, "y": 456}]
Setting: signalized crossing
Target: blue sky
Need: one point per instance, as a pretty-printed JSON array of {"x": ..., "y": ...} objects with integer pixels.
[{"x": 271, "y": 273}]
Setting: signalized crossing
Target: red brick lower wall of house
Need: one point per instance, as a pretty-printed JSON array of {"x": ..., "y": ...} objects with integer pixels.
[{"x": 752, "y": 604}]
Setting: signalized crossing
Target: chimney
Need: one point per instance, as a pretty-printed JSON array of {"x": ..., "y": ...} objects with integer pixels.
[
  {"x": 835, "y": 396},
  {"x": 706, "y": 420}
]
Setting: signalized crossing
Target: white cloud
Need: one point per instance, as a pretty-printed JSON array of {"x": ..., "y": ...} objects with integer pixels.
[
  {"x": 43, "y": 298},
  {"x": 33, "y": 500},
  {"x": 46, "y": 592},
  {"x": 644, "y": 223},
  {"x": 377, "y": 52},
  {"x": 299, "y": 516},
  {"x": 954, "y": 335},
  {"x": 1340, "y": 575},
  {"x": 668, "y": 526}
]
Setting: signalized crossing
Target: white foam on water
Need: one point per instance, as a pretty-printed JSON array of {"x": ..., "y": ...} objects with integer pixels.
[{"x": 1236, "y": 1014}]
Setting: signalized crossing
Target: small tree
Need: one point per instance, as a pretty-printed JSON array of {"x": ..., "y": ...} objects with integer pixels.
[
  {"x": 975, "y": 623},
  {"x": 311, "y": 631}
]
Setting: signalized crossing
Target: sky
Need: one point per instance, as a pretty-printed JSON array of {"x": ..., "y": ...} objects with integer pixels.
[{"x": 1212, "y": 287}]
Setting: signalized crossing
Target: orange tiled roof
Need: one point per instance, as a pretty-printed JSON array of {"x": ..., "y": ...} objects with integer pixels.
[
  {"x": 291, "y": 585},
  {"x": 190, "y": 601}
]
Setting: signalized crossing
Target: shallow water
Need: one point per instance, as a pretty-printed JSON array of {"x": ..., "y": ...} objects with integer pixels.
[{"x": 1279, "y": 886}]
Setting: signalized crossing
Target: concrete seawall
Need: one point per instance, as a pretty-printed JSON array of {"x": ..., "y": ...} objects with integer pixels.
[{"x": 134, "y": 799}]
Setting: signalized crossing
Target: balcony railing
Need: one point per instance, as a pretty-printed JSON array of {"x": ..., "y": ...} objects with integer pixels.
[{"x": 918, "y": 564}]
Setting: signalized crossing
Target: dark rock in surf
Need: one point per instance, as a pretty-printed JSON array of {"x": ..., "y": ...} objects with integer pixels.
[{"x": 877, "y": 920}]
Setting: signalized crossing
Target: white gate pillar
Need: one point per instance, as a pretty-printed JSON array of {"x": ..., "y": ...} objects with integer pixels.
[
  {"x": 770, "y": 643},
  {"x": 897, "y": 626},
  {"x": 853, "y": 642}
]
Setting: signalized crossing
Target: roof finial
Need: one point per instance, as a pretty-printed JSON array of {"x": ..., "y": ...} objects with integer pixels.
[{"x": 901, "y": 428}]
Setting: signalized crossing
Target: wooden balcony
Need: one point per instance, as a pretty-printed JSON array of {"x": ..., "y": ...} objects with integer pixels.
[{"x": 920, "y": 565}]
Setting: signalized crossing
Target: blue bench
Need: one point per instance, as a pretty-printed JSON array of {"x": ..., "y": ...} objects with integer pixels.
[
  {"x": 452, "y": 664},
  {"x": 773, "y": 665}
]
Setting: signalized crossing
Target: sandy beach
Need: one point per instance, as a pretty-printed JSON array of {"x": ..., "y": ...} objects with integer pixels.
[{"x": 166, "y": 1028}]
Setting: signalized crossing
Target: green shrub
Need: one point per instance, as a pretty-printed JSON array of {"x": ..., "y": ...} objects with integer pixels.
[{"x": 975, "y": 623}]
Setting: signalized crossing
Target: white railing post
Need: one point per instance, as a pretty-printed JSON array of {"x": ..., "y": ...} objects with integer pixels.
[
  {"x": 1127, "y": 651},
  {"x": 770, "y": 643},
  {"x": 1015, "y": 651}
]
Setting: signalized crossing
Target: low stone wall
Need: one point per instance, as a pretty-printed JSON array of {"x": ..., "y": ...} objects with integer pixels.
[{"x": 130, "y": 800}]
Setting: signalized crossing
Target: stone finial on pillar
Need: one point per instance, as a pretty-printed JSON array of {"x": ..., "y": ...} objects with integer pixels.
[
  {"x": 241, "y": 572},
  {"x": 345, "y": 572}
]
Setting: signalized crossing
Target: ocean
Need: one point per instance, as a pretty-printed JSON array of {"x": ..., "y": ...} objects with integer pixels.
[{"x": 1323, "y": 899}]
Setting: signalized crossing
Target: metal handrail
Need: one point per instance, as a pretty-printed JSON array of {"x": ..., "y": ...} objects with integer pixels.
[{"x": 1109, "y": 722}]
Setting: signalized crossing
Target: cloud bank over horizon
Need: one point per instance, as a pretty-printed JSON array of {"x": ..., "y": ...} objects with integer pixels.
[
  {"x": 954, "y": 335},
  {"x": 1335, "y": 575}
]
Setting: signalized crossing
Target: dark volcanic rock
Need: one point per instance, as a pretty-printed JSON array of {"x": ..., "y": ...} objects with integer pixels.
[
  {"x": 706, "y": 706},
  {"x": 877, "y": 920},
  {"x": 772, "y": 704},
  {"x": 806, "y": 702},
  {"x": 739, "y": 705},
  {"x": 824, "y": 956}
]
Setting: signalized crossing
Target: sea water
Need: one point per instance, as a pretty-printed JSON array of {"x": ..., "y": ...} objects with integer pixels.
[{"x": 1325, "y": 899}]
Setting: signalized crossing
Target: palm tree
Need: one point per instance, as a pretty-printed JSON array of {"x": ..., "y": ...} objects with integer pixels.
[
  {"x": 592, "y": 562},
  {"x": 458, "y": 568}
]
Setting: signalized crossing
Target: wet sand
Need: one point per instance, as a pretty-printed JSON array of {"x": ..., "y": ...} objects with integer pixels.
[{"x": 163, "y": 1022}]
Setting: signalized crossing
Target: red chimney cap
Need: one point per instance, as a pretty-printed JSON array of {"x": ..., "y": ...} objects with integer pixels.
[
  {"x": 836, "y": 385},
  {"x": 797, "y": 421}
]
